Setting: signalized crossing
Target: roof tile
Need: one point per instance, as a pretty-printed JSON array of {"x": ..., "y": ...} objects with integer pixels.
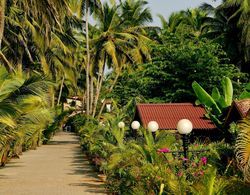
[{"x": 168, "y": 115}]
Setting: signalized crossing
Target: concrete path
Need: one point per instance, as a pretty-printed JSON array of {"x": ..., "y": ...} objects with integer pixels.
[{"x": 59, "y": 168}]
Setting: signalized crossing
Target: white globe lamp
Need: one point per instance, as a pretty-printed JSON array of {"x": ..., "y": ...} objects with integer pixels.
[
  {"x": 153, "y": 126},
  {"x": 121, "y": 124},
  {"x": 184, "y": 126},
  {"x": 135, "y": 125}
]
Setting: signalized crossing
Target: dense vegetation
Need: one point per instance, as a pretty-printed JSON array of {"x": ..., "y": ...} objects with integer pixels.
[
  {"x": 49, "y": 50},
  {"x": 142, "y": 165}
]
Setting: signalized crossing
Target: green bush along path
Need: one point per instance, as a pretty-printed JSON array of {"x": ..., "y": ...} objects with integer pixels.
[{"x": 55, "y": 169}]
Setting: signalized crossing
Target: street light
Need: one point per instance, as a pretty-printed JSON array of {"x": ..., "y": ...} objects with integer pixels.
[
  {"x": 185, "y": 127},
  {"x": 121, "y": 124},
  {"x": 135, "y": 125},
  {"x": 153, "y": 127}
]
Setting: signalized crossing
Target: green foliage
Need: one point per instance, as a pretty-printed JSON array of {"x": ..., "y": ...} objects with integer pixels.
[
  {"x": 24, "y": 112},
  {"x": 143, "y": 165},
  {"x": 215, "y": 104},
  {"x": 246, "y": 92},
  {"x": 176, "y": 64}
]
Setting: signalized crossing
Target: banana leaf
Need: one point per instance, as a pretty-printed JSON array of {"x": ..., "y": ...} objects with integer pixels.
[
  {"x": 227, "y": 90},
  {"x": 205, "y": 98}
]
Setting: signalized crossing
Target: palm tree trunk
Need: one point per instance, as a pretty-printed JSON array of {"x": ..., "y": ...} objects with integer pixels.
[
  {"x": 60, "y": 92},
  {"x": 91, "y": 94},
  {"x": 88, "y": 58},
  {"x": 99, "y": 86},
  {"x": 52, "y": 95},
  {"x": 83, "y": 101},
  {"x": 109, "y": 91},
  {"x": 114, "y": 82},
  {"x": 2, "y": 15}
]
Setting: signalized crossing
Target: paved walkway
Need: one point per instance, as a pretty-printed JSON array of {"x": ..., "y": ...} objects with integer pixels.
[{"x": 59, "y": 168}]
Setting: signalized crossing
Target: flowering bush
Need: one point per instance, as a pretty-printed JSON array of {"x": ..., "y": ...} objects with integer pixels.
[{"x": 148, "y": 166}]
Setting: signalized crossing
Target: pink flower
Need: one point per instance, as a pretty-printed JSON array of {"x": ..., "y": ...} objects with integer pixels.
[
  {"x": 164, "y": 150},
  {"x": 185, "y": 159},
  {"x": 201, "y": 173},
  {"x": 204, "y": 160},
  {"x": 179, "y": 174}
]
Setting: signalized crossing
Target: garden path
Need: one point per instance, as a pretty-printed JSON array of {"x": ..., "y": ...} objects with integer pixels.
[{"x": 58, "y": 168}]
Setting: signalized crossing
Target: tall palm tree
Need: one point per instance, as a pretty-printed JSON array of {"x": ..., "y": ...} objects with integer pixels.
[
  {"x": 228, "y": 24},
  {"x": 242, "y": 14},
  {"x": 2, "y": 15},
  {"x": 218, "y": 27},
  {"x": 188, "y": 22},
  {"x": 87, "y": 8},
  {"x": 120, "y": 41}
]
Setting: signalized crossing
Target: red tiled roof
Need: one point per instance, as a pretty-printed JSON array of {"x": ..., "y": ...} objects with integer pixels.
[
  {"x": 168, "y": 115},
  {"x": 243, "y": 106}
]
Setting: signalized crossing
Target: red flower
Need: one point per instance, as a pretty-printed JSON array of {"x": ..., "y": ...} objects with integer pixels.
[
  {"x": 164, "y": 150},
  {"x": 204, "y": 160}
]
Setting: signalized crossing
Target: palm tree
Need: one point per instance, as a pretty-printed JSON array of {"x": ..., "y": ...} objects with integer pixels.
[
  {"x": 228, "y": 24},
  {"x": 188, "y": 22},
  {"x": 87, "y": 8},
  {"x": 2, "y": 15},
  {"x": 24, "y": 111},
  {"x": 218, "y": 27},
  {"x": 241, "y": 12},
  {"x": 122, "y": 38}
]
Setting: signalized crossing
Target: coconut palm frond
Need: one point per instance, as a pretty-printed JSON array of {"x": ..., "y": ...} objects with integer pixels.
[{"x": 242, "y": 148}]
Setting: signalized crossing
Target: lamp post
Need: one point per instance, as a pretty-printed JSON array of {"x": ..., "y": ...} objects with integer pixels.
[
  {"x": 135, "y": 125},
  {"x": 121, "y": 125},
  {"x": 185, "y": 127},
  {"x": 153, "y": 127}
]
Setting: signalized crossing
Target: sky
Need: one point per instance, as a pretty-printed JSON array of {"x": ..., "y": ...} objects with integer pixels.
[{"x": 166, "y": 7}]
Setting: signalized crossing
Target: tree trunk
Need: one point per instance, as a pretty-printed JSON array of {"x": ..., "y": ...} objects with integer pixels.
[
  {"x": 52, "y": 95},
  {"x": 114, "y": 82},
  {"x": 60, "y": 92},
  {"x": 88, "y": 58},
  {"x": 2, "y": 15},
  {"x": 109, "y": 91},
  {"x": 99, "y": 86},
  {"x": 91, "y": 94},
  {"x": 83, "y": 101}
]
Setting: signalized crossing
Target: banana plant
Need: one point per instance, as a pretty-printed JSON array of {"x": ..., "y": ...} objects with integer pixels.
[{"x": 215, "y": 104}]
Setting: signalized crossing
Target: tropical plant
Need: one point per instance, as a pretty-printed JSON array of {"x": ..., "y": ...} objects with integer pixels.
[
  {"x": 121, "y": 40},
  {"x": 228, "y": 24},
  {"x": 24, "y": 112},
  {"x": 216, "y": 104},
  {"x": 242, "y": 148},
  {"x": 173, "y": 69},
  {"x": 242, "y": 13}
]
